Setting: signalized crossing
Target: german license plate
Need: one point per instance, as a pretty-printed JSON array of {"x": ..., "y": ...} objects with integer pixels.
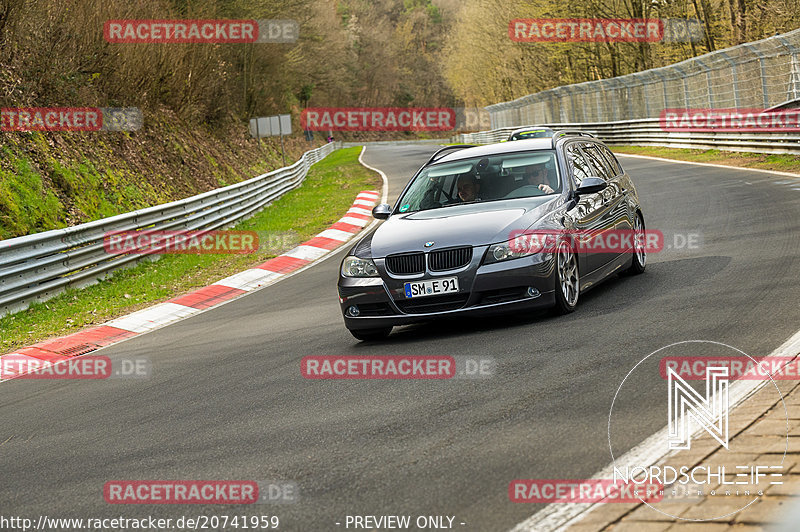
[{"x": 434, "y": 287}]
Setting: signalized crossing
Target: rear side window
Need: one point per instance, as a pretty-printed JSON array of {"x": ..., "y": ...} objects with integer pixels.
[
  {"x": 578, "y": 166},
  {"x": 600, "y": 166},
  {"x": 611, "y": 159}
]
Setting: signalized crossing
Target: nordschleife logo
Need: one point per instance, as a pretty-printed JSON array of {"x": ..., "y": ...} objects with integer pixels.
[
  {"x": 684, "y": 404},
  {"x": 726, "y": 436}
]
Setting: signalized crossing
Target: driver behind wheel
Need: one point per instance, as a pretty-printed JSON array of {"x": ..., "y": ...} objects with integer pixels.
[
  {"x": 468, "y": 188},
  {"x": 536, "y": 175}
]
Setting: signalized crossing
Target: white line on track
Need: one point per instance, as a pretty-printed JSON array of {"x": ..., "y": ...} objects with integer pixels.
[
  {"x": 557, "y": 516},
  {"x": 775, "y": 172}
]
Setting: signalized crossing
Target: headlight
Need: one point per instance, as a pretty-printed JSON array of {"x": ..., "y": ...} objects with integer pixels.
[
  {"x": 522, "y": 245},
  {"x": 356, "y": 267}
]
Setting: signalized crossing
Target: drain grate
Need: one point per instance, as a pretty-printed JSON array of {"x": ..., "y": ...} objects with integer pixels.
[{"x": 78, "y": 350}]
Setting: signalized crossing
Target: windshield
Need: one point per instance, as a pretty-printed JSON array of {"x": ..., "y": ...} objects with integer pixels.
[
  {"x": 483, "y": 179},
  {"x": 532, "y": 134}
]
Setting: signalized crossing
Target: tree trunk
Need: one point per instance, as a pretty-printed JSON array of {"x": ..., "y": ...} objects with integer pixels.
[
  {"x": 738, "y": 20},
  {"x": 708, "y": 18}
]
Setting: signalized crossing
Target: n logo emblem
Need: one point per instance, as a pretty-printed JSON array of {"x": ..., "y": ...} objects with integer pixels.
[{"x": 711, "y": 411}]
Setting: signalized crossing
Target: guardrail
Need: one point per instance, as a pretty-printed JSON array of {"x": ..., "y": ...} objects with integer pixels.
[
  {"x": 647, "y": 132},
  {"x": 37, "y": 267}
]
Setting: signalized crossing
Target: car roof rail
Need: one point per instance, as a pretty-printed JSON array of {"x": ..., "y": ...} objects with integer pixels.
[
  {"x": 566, "y": 132},
  {"x": 435, "y": 156}
]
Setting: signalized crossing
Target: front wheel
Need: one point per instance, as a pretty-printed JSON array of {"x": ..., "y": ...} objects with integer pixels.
[
  {"x": 367, "y": 335},
  {"x": 568, "y": 283},
  {"x": 639, "y": 255}
]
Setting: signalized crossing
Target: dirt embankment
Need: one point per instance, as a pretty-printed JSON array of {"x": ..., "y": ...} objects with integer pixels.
[{"x": 51, "y": 180}]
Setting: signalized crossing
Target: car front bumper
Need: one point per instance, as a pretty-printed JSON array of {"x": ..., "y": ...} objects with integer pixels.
[{"x": 484, "y": 290}]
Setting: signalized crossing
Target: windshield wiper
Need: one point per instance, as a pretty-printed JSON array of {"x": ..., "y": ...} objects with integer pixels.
[
  {"x": 443, "y": 206},
  {"x": 462, "y": 203}
]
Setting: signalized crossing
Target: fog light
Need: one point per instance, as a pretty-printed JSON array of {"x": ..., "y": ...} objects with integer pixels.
[
  {"x": 353, "y": 311},
  {"x": 532, "y": 292}
]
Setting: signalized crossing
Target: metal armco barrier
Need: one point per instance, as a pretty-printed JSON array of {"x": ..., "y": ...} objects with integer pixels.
[
  {"x": 39, "y": 266},
  {"x": 647, "y": 132}
]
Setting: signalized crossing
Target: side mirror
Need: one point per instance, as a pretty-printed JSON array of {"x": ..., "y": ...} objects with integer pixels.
[
  {"x": 382, "y": 211},
  {"x": 591, "y": 185}
]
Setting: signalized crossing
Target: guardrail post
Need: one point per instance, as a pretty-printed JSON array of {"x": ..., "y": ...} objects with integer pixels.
[
  {"x": 793, "y": 92},
  {"x": 764, "y": 87},
  {"x": 709, "y": 88},
  {"x": 658, "y": 73},
  {"x": 735, "y": 75},
  {"x": 598, "y": 99},
  {"x": 614, "y": 84},
  {"x": 795, "y": 80},
  {"x": 686, "y": 103},
  {"x": 640, "y": 78}
]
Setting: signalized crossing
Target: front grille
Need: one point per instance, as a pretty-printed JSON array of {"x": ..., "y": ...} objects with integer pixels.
[
  {"x": 449, "y": 259},
  {"x": 432, "y": 303},
  {"x": 407, "y": 264}
]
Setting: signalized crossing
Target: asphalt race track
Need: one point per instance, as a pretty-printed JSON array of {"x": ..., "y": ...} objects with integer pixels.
[{"x": 227, "y": 400}]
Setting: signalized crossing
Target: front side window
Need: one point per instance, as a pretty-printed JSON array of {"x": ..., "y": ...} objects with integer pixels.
[
  {"x": 600, "y": 166},
  {"x": 483, "y": 179},
  {"x": 578, "y": 167}
]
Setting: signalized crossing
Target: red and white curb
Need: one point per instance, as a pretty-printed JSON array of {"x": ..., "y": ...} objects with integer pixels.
[{"x": 83, "y": 342}]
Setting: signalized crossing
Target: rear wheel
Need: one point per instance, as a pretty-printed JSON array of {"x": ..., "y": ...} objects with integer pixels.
[
  {"x": 568, "y": 283},
  {"x": 366, "y": 335},
  {"x": 639, "y": 255}
]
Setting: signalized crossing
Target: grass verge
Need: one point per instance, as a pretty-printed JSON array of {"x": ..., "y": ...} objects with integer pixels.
[
  {"x": 779, "y": 162},
  {"x": 326, "y": 194}
]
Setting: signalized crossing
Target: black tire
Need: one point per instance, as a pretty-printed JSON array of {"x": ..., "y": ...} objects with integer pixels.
[
  {"x": 639, "y": 259},
  {"x": 368, "y": 335},
  {"x": 567, "y": 293}
]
